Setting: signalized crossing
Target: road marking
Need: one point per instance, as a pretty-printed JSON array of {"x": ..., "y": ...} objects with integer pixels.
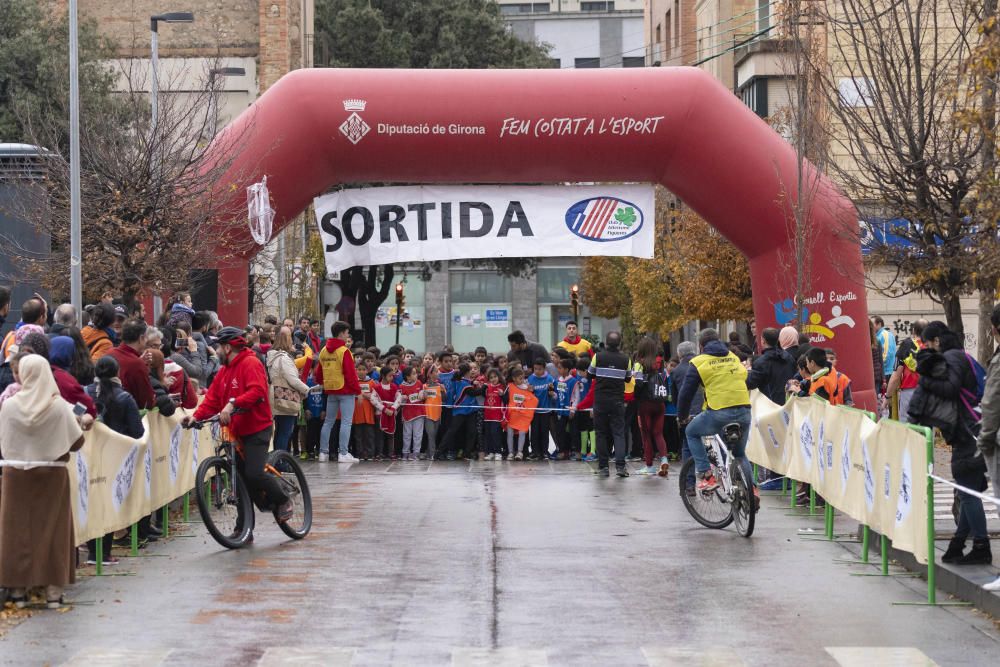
[
  {"x": 501, "y": 657},
  {"x": 879, "y": 656},
  {"x": 663, "y": 656},
  {"x": 286, "y": 656},
  {"x": 105, "y": 657}
]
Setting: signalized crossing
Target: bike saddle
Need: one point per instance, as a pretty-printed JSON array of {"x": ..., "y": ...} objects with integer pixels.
[{"x": 732, "y": 434}]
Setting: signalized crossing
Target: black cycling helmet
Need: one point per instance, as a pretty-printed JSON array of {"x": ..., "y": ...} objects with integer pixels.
[{"x": 231, "y": 336}]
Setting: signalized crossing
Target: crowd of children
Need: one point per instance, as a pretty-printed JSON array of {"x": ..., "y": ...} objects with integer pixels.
[{"x": 450, "y": 406}]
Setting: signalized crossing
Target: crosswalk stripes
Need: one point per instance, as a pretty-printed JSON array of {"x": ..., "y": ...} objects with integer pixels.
[
  {"x": 500, "y": 657},
  {"x": 656, "y": 656},
  {"x": 699, "y": 657},
  {"x": 117, "y": 657},
  {"x": 879, "y": 656},
  {"x": 943, "y": 499}
]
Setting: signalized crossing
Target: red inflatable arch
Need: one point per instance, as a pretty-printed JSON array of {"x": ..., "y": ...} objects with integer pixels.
[{"x": 679, "y": 127}]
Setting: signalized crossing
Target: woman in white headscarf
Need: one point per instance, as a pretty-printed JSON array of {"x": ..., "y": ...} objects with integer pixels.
[{"x": 38, "y": 430}]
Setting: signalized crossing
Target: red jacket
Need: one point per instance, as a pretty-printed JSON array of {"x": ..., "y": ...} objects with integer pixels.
[
  {"x": 134, "y": 374},
  {"x": 243, "y": 378},
  {"x": 72, "y": 392},
  {"x": 493, "y": 404}
]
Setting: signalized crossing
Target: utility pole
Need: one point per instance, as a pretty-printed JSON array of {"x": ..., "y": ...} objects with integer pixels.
[
  {"x": 400, "y": 303},
  {"x": 75, "y": 241}
]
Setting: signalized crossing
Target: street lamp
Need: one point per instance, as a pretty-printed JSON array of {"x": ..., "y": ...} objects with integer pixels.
[
  {"x": 400, "y": 303},
  {"x": 213, "y": 116},
  {"x": 154, "y": 21},
  {"x": 574, "y": 301}
]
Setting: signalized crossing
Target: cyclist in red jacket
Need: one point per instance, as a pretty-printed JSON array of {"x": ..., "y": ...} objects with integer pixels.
[{"x": 239, "y": 396}]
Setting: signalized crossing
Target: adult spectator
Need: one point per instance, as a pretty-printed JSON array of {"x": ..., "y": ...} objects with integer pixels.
[
  {"x": 33, "y": 311},
  {"x": 803, "y": 347},
  {"x": 161, "y": 382},
  {"x": 154, "y": 339},
  {"x": 6, "y": 370},
  {"x": 36, "y": 524},
  {"x": 183, "y": 351},
  {"x": 788, "y": 340},
  {"x": 738, "y": 347},
  {"x": 523, "y": 351},
  {"x": 338, "y": 376},
  {"x": 99, "y": 335},
  {"x": 117, "y": 410},
  {"x": 82, "y": 367},
  {"x": 182, "y": 310},
  {"x": 876, "y": 352},
  {"x": 62, "y": 320},
  {"x": 4, "y": 305},
  {"x": 888, "y": 341},
  {"x": 772, "y": 370},
  {"x": 309, "y": 336},
  {"x": 200, "y": 324},
  {"x": 574, "y": 343},
  {"x": 61, "y": 353},
  {"x": 727, "y": 401},
  {"x": 687, "y": 351},
  {"x": 132, "y": 371},
  {"x": 946, "y": 399},
  {"x": 287, "y": 390},
  {"x": 904, "y": 379},
  {"x": 988, "y": 442},
  {"x": 121, "y": 314},
  {"x": 609, "y": 370}
]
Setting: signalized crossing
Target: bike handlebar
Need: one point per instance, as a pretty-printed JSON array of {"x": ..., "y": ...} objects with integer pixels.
[{"x": 199, "y": 424}]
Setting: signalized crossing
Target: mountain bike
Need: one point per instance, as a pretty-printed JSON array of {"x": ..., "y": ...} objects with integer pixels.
[
  {"x": 224, "y": 501},
  {"x": 734, "y": 499}
]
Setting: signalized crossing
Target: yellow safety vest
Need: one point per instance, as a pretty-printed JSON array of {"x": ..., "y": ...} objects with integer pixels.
[
  {"x": 333, "y": 368},
  {"x": 579, "y": 349},
  {"x": 725, "y": 380}
]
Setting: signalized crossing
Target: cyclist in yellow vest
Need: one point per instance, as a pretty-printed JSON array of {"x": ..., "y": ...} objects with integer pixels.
[{"x": 727, "y": 401}]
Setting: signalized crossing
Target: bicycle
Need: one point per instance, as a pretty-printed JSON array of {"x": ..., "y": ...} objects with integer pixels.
[
  {"x": 734, "y": 499},
  {"x": 224, "y": 501}
]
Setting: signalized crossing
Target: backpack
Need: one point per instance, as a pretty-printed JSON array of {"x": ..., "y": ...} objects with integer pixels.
[
  {"x": 970, "y": 400},
  {"x": 659, "y": 387}
]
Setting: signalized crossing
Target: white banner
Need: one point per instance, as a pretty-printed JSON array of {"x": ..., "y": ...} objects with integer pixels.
[{"x": 370, "y": 226}]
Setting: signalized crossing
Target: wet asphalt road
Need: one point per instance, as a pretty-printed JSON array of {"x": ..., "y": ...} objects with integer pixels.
[{"x": 500, "y": 564}]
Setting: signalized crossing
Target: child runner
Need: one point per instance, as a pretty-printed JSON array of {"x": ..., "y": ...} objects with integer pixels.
[
  {"x": 315, "y": 414},
  {"x": 521, "y": 403},
  {"x": 462, "y": 431},
  {"x": 434, "y": 393},
  {"x": 412, "y": 392},
  {"x": 493, "y": 416},
  {"x": 363, "y": 426},
  {"x": 581, "y": 420},
  {"x": 542, "y": 384},
  {"x": 565, "y": 384},
  {"x": 386, "y": 398}
]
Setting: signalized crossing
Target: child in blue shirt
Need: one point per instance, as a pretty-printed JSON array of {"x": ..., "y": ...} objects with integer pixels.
[
  {"x": 564, "y": 385},
  {"x": 315, "y": 414},
  {"x": 543, "y": 386}
]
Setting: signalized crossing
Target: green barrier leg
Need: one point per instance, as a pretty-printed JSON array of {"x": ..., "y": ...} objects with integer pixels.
[
  {"x": 134, "y": 535},
  {"x": 812, "y": 500},
  {"x": 166, "y": 520},
  {"x": 829, "y": 521},
  {"x": 791, "y": 495},
  {"x": 187, "y": 507},
  {"x": 885, "y": 554},
  {"x": 755, "y": 478},
  {"x": 866, "y": 536},
  {"x": 100, "y": 556},
  {"x": 784, "y": 485}
]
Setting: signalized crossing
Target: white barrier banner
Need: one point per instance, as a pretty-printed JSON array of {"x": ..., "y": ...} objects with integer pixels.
[
  {"x": 368, "y": 226},
  {"x": 874, "y": 473}
]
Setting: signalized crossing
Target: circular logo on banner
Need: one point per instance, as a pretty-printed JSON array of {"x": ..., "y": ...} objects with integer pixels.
[
  {"x": 774, "y": 438},
  {"x": 83, "y": 487},
  {"x": 806, "y": 441},
  {"x": 604, "y": 219},
  {"x": 175, "y": 452},
  {"x": 149, "y": 470},
  {"x": 845, "y": 463},
  {"x": 194, "y": 452},
  {"x": 124, "y": 479},
  {"x": 905, "y": 488},
  {"x": 869, "y": 477}
]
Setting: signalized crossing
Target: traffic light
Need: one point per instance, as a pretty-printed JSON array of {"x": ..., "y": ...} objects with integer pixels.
[
  {"x": 400, "y": 299},
  {"x": 574, "y": 296}
]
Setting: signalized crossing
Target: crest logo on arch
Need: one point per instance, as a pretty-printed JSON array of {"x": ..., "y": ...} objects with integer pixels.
[{"x": 604, "y": 219}]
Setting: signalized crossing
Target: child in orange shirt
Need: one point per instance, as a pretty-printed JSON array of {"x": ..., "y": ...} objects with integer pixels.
[
  {"x": 434, "y": 393},
  {"x": 363, "y": 426},
  {"x": 521, "y": 403},
  {"x": 412, "y": 391}
]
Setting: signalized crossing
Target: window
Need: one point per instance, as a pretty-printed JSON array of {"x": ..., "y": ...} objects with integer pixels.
[
  {"x": 754, "y": 95},
  {"x": 677, "y": 25},
  {"x": 856, "y": 92},
  {"x": 525, "y": 8},
  {"x": 585, "y": 63},
  {"x": 763, "y": 14},
  {"x": 597, "y": 6},
  {"x": 554, "y": 284},
  {"x": 634, "y": 61},
  {"x": 555, "y": 63},
  {"x": 480, "y": 287}
]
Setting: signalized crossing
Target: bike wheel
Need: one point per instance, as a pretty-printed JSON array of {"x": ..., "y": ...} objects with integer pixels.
[
  {"x": 743, "y": 500},
  {"x": 709, "y": 508},
  {"x": 223, "y": 502},
  {"x": 293, "y": 483}
]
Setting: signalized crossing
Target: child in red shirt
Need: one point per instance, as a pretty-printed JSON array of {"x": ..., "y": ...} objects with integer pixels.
[
  {"x": 493, "y": 416},
  {"x": 412, "y": 393},
  {"x": 386, "y": 398}
]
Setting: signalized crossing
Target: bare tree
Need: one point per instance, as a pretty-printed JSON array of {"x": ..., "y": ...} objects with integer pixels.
[
  {"x": 151, "y": 208},
  {"x": 894, "y": 78}
]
